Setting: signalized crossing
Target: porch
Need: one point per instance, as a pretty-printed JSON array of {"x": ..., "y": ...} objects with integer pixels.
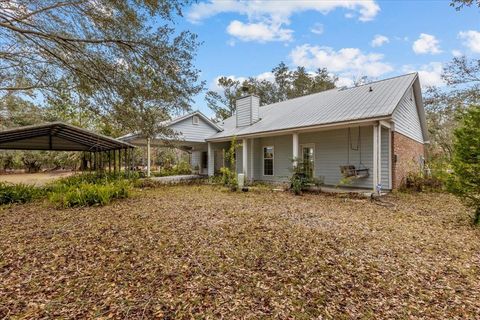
[{"x": 271, "y": 158}]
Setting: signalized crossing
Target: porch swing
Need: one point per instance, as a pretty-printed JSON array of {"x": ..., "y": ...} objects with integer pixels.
[{"x": 349, "y": 170}]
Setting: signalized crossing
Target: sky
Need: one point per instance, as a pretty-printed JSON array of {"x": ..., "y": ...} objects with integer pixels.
[{"x": 377, "y": 39}]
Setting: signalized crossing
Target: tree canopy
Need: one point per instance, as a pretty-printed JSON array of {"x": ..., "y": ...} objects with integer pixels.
[
  {"x": 465, "y": 181},
  {"x": 108, "y": 54},
  {"x": 286, "y": 84}
]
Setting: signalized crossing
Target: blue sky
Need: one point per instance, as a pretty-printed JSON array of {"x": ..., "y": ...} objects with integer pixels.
[{"x": 378, "y": 39}]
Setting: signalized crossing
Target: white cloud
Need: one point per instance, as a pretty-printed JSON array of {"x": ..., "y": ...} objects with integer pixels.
[
  {"x": 280, "y": 10},
  {"x": 269, "y": 76},
  {"x": 317, "y": 28},
  {"x": 426, "y": 43},
  {"x": 261, "y": 32},
  {"x": 344, "y": 82},
  {"x": 346, "y": 62},
  {"x": 430, "y": 74},
  {"x": 457, "y": 53},
  {"x": 471, "y": 39},
  {"x": 379, "y": 40},
  {"x": 267, "y": 18}
]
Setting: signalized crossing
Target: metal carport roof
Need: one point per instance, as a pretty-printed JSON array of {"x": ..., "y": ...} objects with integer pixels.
[{"x": 58, "y": 136}]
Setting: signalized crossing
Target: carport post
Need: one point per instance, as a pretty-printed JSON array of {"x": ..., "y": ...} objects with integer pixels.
[
  {"x": 148, "y": 157},
  {"x": 109, "y": 161},
  {"x": 114, "y": 161},
  {"x": 125, "y": 160}
]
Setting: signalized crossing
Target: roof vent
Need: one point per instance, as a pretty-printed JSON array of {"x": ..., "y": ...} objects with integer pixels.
[{"x": 370, "y": 89}]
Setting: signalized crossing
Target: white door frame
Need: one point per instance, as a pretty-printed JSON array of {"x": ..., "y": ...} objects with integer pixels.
[{"x": 309, "y": 145}]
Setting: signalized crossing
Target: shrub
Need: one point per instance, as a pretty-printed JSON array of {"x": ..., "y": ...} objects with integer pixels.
[
  {"x": 93, "y": 178},
  {"x": 465, "y": 180},
  {"x": 19, "y": 193},
  {"x": 229, "y": 178},
  {"x": 419, "y": 182},
  {"x": 300, "y": 179},
  {"x": 181, "y": 168},
  {"x": 229, "y": 175},
  {"x": 89, "y": 194}
]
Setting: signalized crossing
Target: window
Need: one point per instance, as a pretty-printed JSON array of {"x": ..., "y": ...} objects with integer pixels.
[
  {"x": 195, "y": 120},
  {"x": 268, "y": 161}
]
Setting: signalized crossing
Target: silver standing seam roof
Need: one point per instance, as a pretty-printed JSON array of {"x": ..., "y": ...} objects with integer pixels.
[{"x": 365, "y": 102}]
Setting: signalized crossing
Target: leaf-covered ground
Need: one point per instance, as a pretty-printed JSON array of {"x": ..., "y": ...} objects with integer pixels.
[{"x": 200, "y": 252}]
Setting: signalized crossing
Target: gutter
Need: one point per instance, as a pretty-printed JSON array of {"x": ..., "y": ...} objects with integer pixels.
[{"x": 332, "y": 125}]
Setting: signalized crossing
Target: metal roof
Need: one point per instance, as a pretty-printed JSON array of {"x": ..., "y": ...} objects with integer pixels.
[
  {"x": 194, "y": 113},
  {"x": 58, "y": 136},
  {"x": 370, "y": 101}
]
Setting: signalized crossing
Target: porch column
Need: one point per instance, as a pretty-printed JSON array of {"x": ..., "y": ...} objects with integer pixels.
[
  {"x": 252, "y": 150},
  {"x": 245, "y": 157},
  {"x": 148, "y": 157},
  {"x": 377, "y": 158},
  {"x": 295, "y": 149},
  {"x": 211, "y": 162}
]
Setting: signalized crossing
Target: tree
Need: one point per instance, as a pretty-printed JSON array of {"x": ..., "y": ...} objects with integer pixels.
[
  {"x": 287, "y": 84},
  {"x": 442, "y": 106},
  {"x": 460, "y": 4},
  {"x": 465, "y": 181},
  {"x": 96, "y": 49}
]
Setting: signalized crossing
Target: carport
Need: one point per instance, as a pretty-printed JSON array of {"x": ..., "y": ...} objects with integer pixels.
[{"x": 98, "y": 150}]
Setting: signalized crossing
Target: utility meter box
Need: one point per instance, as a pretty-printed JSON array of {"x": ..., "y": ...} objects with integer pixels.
[{"x": 241, "y": 180}]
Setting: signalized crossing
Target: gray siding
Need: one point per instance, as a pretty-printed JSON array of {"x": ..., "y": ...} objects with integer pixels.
[
  {"x": 406, "y": 119},
  {"x": 332, "y": 151},
  {"x": 385, "y": 179},
  {"x": 195, "y": 159},
  {"x": 193, "y": 132},
  {"x": 282, "y": 158}
]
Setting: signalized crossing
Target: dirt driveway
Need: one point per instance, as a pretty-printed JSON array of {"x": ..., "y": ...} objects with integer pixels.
[{"x": 38, "y": 179}]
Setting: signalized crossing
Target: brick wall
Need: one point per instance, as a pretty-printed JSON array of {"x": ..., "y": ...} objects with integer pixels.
[{"x": 408, "y": 154}]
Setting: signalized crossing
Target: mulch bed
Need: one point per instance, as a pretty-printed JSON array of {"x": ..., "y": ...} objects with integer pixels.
[{"x": 202, "y": 252}]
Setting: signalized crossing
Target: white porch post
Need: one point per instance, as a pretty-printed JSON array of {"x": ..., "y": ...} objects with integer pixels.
[
  {"x": 245, "y": 157},
  {"x": 379, "y": 158},
  {"x": 148, "y": 157},
  {"x": 295, "y": 149},
  {"x": 252, "y": 148},
  {"x": 375, "y": 156},
  {"x": 211, "y": 163}
]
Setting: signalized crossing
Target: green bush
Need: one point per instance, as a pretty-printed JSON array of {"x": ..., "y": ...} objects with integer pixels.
[
  {"x": 417, "y": 181},
  {"x": 181, "y": 168},
  {"x": 19, "y": 193},
  {"x": 465, "y": 180},
  {"x": 300, "y": 179},
  {"x": 93, "y": 178},
  {"x": 89, "y": 194},
  {"x": 229, "y": 178}
]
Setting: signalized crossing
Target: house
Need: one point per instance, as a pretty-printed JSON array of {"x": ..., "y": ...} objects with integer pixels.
[{"x": 373, "y": 133}]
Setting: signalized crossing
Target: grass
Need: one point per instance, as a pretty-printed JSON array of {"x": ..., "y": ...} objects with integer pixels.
[{"x": 200, "y": 252}]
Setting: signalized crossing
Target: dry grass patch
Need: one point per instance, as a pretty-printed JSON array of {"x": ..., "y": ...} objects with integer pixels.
[{"x": 197, "y": 251}]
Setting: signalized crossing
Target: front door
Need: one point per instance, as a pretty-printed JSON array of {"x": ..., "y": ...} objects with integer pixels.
[{"x": 308, "y": 159}]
